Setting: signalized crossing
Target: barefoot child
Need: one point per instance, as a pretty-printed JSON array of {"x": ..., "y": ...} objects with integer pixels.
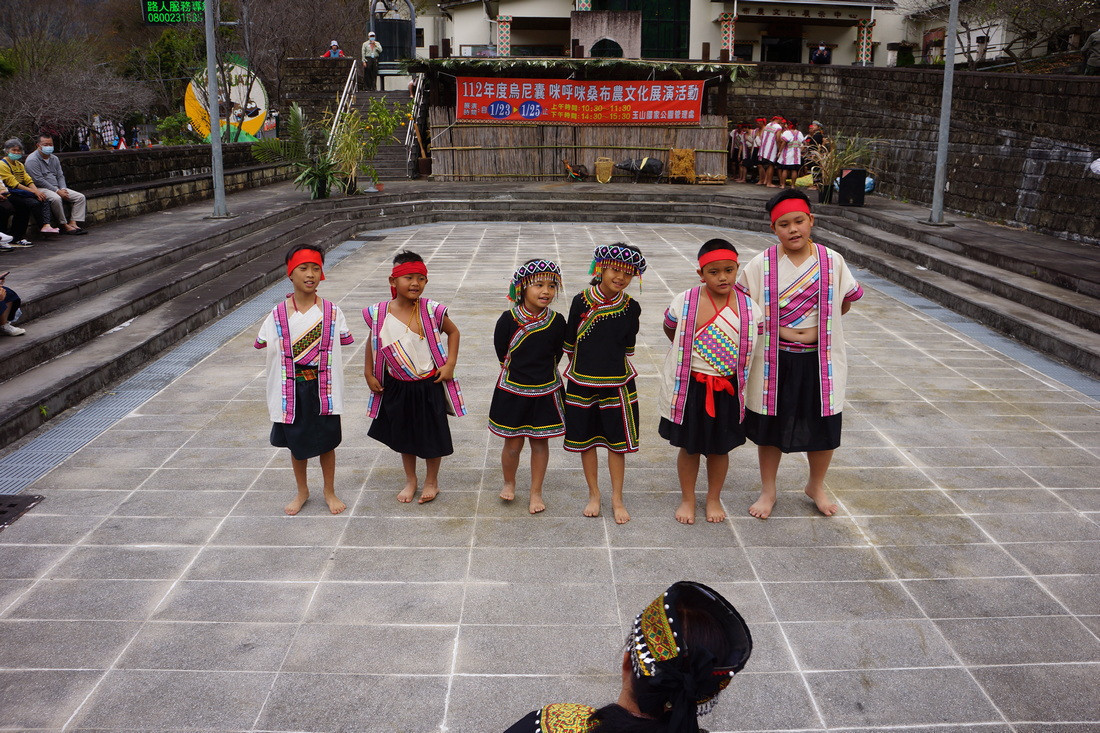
[
  {"x": 527, "y": 400},
  {"x": 796, "y": 383},
  {"x": 410, "y": 373},
  {"x": 712, "y": 328},
  {"x": 601, "y": 401},
  {"x": 305, "y": 382}
]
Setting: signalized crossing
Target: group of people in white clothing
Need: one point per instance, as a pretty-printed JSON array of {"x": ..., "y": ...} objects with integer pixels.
[{"x": 771, "y": 149}]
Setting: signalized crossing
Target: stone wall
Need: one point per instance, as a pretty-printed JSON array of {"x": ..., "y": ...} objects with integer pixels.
[
  {"x": 98, "y": 169},
  {"x": 314, "y": 84},
  {"x": 1020, "y": 145}
]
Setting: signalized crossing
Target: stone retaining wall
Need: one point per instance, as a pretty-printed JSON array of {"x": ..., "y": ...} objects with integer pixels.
[
  {"x": 1020, "y": 144},
  {"x": 98, "y": 169}
]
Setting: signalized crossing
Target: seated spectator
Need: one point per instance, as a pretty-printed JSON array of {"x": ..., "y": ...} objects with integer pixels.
[
  {"x": 684, "y": 649},
  {"x": 21, "y": 189},
  {"x": 333, "y": 52},
  {"x": 45, "y": 169},
  {"x": 9, "y": 309}
]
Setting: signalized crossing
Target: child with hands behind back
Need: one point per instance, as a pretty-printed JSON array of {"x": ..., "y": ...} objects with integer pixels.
[{"x": 410, "y": 372}]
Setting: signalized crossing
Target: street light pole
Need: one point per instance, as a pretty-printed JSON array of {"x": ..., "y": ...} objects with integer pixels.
[
  {"x": 213, "y": 109},
  {"x": 940, "y": 182}
]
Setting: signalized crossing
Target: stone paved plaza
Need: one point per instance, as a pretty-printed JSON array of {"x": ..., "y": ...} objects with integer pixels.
[{"x": 158, "y": 586}]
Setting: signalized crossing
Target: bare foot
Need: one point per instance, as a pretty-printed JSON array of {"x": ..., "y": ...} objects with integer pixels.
[
  {"x": 296, "y": 506},
  {"x": 430, "y": 492},
  {"x": 535, "y": 505},
  {"x": 407, "y": 493},
  {"x": 685, "y": 513},
  {"x": 622, "y": 516},
  {"x": 508, "y": 493},
  {"x": 762, "y": 508},
  {"x": 334, "y": 504},
  {"x": 592, "y": 508},
  {"x": 824, "y": 506},
  {"x": 715, "y": 512}
]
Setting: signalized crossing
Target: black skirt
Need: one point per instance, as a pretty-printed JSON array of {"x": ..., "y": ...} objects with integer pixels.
[
  {"x": 701, "y": 433},
  {"x": 601, "y": 417},
  {"x": 515, "y": 416},
  {"x": 311, "y": 434},
  {"x": 798, "y": 426},
  {"x": 412, "y": 418}
]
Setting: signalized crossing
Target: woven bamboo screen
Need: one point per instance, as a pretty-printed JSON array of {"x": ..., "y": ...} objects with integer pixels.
[{"x": 519, "y": 152}]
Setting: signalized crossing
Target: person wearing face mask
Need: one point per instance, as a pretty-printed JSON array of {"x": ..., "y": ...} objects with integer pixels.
[
  {"x": 821, "y": 55},
  {"x": 22, "y": 193},
  {"x": 45, "y": 169}
]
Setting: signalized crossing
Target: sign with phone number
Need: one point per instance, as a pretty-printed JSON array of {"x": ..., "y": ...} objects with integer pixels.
[
  {"x": 568, "y": 101},
  {"x": 160, "y": 12}
]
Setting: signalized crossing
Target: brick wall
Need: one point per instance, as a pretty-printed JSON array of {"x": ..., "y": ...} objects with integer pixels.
[
  {"x": 1020, "y": 145},
  {"x": 314, "y": 84}
]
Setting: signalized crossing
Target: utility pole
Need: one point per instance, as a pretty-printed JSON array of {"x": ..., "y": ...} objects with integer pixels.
[
  {"x": 213, "y": 109},
  {"x": 940, "y": 182}
]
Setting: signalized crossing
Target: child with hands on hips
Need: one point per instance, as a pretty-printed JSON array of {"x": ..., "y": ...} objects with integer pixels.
[
  {"x": 304, "y": 374},
  {"x": 713, "y": 328},
  {"x": 795, "y": 392},
  {"x": 409, "y": 368},
  {"x": 601, "y": 400},
  {"x": 527, "y": 401}
]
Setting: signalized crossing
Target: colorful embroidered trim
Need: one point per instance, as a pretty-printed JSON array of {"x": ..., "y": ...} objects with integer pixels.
[
  {"x": 565, "y": 717},
  {"x": 527, "y": 325},
  {"x": 532, "y": 272}
]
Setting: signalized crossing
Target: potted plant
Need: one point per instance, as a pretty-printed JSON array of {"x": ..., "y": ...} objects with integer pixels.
[
  {"x": 303, "y": 146},
  {"x": 836, "y": 155},
  {"x": 359, "y": 136}
]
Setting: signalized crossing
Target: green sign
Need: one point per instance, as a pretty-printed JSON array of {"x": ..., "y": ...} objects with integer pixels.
[{"x": 160, "y": 12}]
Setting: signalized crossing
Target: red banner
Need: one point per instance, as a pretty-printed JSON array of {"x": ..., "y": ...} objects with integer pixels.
[{"x": 568, "y": 101}]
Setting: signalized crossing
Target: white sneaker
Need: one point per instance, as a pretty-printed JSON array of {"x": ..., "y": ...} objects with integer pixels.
[
  {"x": 11, "y": 330},
  {"x": 5, "y": 238}
]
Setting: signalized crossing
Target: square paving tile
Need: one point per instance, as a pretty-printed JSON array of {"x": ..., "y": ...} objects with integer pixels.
[
  {"x": 878, "y": 698},
  {"x": 885, "y": 644},
  {"x": 281, "y": 602},
  {"x": 370, "y": 649},
  {"x": 125, "y": 563},
  {"x": 246, "y": 647},
  {"x": 1036, "y": 640},
  {"x": 118, "y": 600},
  {"x": 386, "y": 603},
  {"x": 50, "y": 644},
  {"x": 1059, "y": 692},
  {"x": 847, "y": 601},
  {"x": 983, "y": 598},
  {"x": 43, "y": 699}
]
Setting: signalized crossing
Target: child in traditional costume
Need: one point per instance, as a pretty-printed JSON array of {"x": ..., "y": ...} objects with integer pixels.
[
  {"x": 684, "y": 649},
  {"x": 527, "y": 401},
  {"x": 305, "y": 381},
  {"x": 712, "y": 328},
  {"x": 795, "y": 393},
  {"x": 601, "y": 401},
  {"x": 410, "y": 372}
]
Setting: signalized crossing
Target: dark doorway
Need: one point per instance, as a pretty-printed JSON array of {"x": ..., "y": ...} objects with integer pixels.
[
  {"x": 785, "y": 49},
  {"x": 605, "y": 48},
  {"x": 395, "y": 36}
]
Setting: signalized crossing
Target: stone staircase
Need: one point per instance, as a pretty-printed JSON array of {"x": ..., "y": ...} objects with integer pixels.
[
  {"x": 392, "y": 161},
  {"x": 112, "y": 307}
]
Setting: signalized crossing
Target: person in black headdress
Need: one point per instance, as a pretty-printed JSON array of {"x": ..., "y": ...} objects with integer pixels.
[
  {"x": 601, "y": 400},
  {"x": 684, "y": 649},
  {"x": 527, "y": 401}
]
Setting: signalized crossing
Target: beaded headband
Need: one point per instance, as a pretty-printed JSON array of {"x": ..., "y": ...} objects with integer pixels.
[
  {"x": 656, "y": 639},
  {"x": 618, "y": 256},
  {"x": 531, "y": 272}
]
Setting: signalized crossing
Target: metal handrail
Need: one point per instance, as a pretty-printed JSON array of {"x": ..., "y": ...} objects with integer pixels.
[
  {"x": 411, "y": 146},
  {"x": 344, "y": 104}
]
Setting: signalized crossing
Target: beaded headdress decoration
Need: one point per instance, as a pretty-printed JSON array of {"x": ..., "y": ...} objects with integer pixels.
[
  {"x": 618, "y": 256},
  {"x": 656, "y": 650},
  {"x": 531, "y": 272}
]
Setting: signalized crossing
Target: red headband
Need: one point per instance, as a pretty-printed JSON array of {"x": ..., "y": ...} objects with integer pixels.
[
  {"x": 303, "y": 256},
  {"x": 407, "y": 268},
  {"x": 787, "y": 206},
  {"x": 716, "y": 254}
]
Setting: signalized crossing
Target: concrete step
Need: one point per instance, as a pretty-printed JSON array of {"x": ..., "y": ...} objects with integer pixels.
[
  {"x": 31, "y": 397},
  {"x": 60, "y": 330},
  {"x": 1064, "y": 304}
]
